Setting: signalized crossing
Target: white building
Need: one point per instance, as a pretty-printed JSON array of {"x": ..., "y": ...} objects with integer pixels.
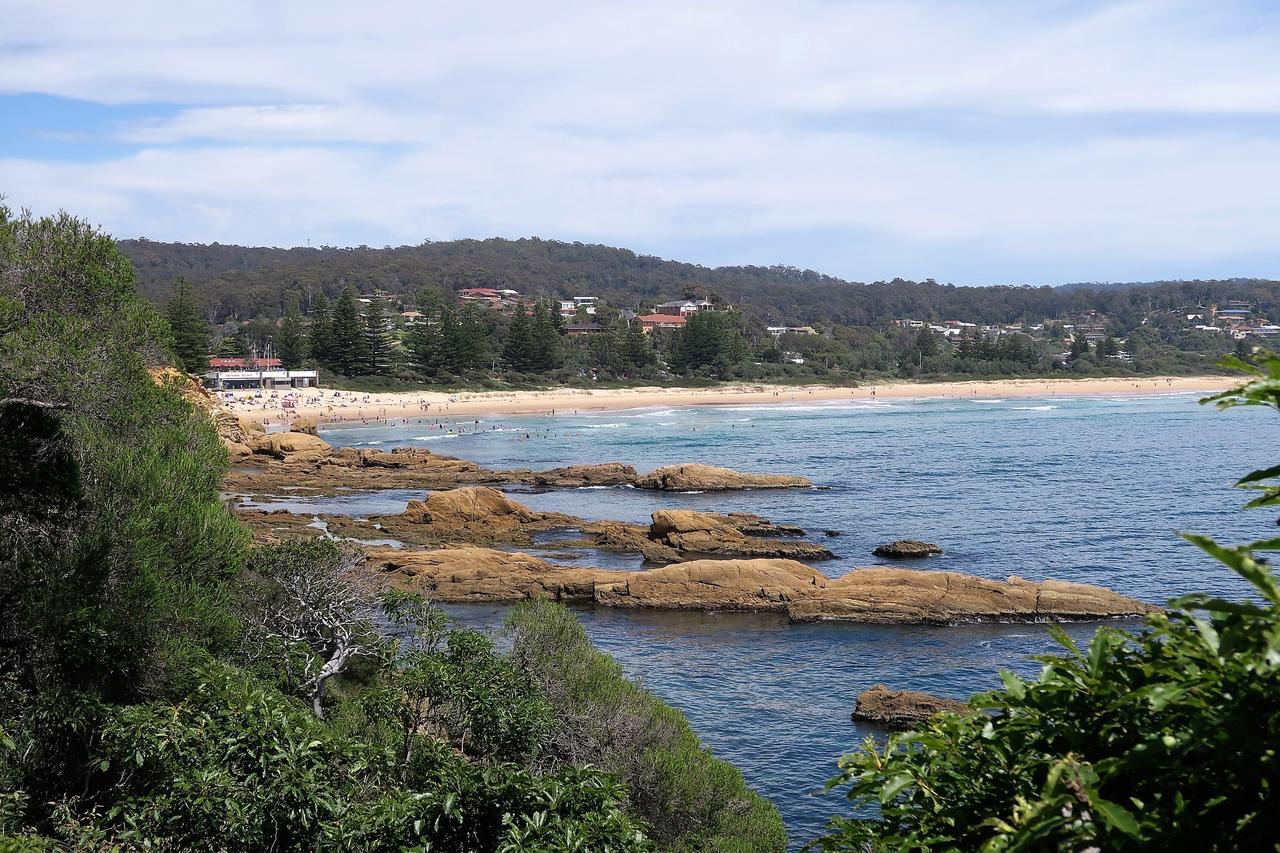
[{"x": 269, "y": 379}]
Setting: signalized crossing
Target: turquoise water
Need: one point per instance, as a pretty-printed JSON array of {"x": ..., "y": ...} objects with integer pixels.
[{"x": 1084, "y": 489}]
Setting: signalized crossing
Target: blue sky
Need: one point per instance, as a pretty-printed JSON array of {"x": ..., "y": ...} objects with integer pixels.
[{"x": 973, "y": 142}]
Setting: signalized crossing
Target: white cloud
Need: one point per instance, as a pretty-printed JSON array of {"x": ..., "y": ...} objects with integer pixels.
[{"x": 1090, "y": 136}]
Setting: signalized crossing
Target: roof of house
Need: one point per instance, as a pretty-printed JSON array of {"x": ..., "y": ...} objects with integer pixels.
[
  {"x": 584, "y": 327},
  {"x": 672, "y": 319},
  {"x": 226, "y": 362}
]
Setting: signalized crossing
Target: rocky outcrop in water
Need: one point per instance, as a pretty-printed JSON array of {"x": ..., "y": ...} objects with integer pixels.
[
  {"x": 901, "y": 709},
  {"x": 907, "y": 549},
  {"x": 773, "y": 585},
  {"x": 695, "y": 477},
  {"x": 887, "y": 595},
  {"x": 483, "y": 574},
  {"x": 582, "y": 476},
  {"x": 709, "y": 534},
  {"x": 713, "y": 585},
  {"x": 469, "y": 514},
  {"x": 296, "y": 447},
  {"x": 631, "y": 538}
]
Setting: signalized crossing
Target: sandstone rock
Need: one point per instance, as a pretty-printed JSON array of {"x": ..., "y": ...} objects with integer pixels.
[
  {"x": 620, "y": 536},
  {"x": 717, "y": 535},
  {"x": 293, "y": 446},
  {"x": 578, "y": 476},
  {"x": 901, "y": 709},
  {"x": 713, "y": 585},
  {"x": 755, "y": 525},
  {"x": 694, "y": 477},
  {"x": 470, "y": 514},
  {"x": 907, "y": 549},
  {"x": 888, "y": 595},
  {"x": 305, "y": 425},
  {"x": 483, "y": 574}
]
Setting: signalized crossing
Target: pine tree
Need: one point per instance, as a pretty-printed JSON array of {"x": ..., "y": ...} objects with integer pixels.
[
  {"x": 377, "y": 350},
  {"x": 465, "y": 341},
  {"x": 544, "y": 340},
  {"x": 191, "y": 334},
  {"x": 639, "y": 352},
  {"x": 347, "y": 337},
  {"x": 517, "y": 352},
  {"x": 292, "y": 347},
  {"x": 320, "y": 334},
  {"x": 1079, "y": 346},
  {"x": 426, "y": 342}
]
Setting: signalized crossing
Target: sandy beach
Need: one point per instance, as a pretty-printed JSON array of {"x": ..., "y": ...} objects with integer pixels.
[{"x": 328, "y": 405}]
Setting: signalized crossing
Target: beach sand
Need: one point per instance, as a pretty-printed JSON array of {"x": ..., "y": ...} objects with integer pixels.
[{"x": 328, "y": 405}]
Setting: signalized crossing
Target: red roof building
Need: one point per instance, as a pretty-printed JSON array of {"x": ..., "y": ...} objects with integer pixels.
[
  {"x": 224, "y": 363},
  {"x": 649, "y": 322}
]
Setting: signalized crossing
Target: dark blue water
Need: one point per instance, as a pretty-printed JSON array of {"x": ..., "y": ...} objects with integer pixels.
[{"x": 1084, "y": 489}]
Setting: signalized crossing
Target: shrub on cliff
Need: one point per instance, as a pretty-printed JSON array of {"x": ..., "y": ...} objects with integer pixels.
[
  {"x": 1164, "y": 739},
  {"x": 689, "y": 799}
]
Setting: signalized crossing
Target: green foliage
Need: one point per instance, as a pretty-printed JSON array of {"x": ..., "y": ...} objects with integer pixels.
[
  {"x": 690, "y": 800},
  {"x": 346, "y": 347},
  {"x": 710, "y": 343},
  {"x": 1162, "y": 739},
  {"x": 1263, "y": 389},
  {"x": 191, "y": 334},
  {"x": 320, "y": 331},
  {"x": 291, "y": 344},
  {"x": 378, "y": 348},
  {"x": 236, "y": 766}
]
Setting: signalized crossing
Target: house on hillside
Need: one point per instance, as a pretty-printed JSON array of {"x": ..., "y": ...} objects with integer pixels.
[
  {"x": 575, "y": 329},
  {"x": 653, "y": 322},
  {"x": 683, "y": 307}
]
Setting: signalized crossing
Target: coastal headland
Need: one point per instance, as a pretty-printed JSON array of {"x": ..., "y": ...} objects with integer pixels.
[{"x": 330, "y": 405}]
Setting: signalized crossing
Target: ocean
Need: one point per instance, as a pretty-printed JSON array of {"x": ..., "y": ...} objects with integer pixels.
[{"x": 1089, "y": 489}]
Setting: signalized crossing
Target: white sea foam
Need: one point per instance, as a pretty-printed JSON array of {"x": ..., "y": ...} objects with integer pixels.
[
  {"x": 434, "y": 437},
  {"x": 605, "y": 426},
  {"x": 1034, "y": 408},
  {"x": 996, "y": 400},
  {"x": 654, "y": 414}
]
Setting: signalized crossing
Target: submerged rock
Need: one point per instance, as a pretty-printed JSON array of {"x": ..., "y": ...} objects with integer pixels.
[
  {"x": 901, "y": 709},
  {"x": 695, "y": 477},
  {"x": 907, "y": 549},
  {"x": 885, "y": 595}
]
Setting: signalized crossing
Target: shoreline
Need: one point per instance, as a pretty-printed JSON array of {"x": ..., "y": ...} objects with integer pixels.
[{"x": 327, "y": 405}]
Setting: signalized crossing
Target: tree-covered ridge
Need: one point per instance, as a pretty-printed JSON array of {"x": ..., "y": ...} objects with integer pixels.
[
  {"x": 1161, "y": 739},
  {"x": 166, "y": 685},
  {"x": 242, "y": 281}
]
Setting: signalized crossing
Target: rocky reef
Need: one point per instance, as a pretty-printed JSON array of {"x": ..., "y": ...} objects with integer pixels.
[
  {"x": 901, "y": 709},
  {"x": 695, "y": 477},
  {"x": 885, "y": 595},
  {"x": 907, "y": 549},
  {"x": 773, "y": 585},
  {"x": 689, "y": 532}
]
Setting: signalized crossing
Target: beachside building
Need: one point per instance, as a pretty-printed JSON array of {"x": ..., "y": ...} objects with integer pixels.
[
  {"x": 654, "y": 322},
  {"x": 233, "y": 374}
]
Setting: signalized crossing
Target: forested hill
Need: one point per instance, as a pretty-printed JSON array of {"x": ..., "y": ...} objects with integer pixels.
[{"x": 248, "y": 282}]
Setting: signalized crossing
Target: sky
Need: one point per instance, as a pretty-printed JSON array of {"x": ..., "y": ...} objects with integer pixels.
[{"x": 971, "y": 142}]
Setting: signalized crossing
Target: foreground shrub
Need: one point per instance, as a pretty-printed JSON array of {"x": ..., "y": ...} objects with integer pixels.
[{"x": 689, "y": 799}]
